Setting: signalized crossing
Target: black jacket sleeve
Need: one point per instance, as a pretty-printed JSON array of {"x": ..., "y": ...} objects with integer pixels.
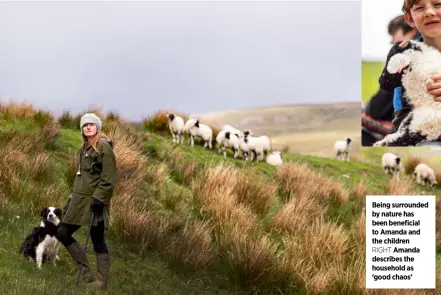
[{"x": 388, "y": 82}]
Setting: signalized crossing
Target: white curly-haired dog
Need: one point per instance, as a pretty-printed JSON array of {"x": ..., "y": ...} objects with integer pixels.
[{"x": 417, "y": 64}]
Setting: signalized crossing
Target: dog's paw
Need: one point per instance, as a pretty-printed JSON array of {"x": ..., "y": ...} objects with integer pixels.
[
  {"x": 397, "y": 63},
  {"x": 57, "y": 258}
]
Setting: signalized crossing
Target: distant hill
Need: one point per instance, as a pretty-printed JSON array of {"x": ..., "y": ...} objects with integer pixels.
[{"x": 307, "y": 129}]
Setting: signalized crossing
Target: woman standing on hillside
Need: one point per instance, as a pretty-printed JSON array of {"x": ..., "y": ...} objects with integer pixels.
[{"x": 93, "y": 188}]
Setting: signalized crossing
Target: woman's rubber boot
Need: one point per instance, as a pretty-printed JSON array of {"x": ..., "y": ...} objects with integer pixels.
[
  {"x": 80, "y": 257},
  {"x": 103, "y": 267}
]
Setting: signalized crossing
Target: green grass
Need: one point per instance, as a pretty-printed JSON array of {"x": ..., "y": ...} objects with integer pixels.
[
  {"x": 130, "y": 273},
  {"x": 370, "y": 73},
  {"x": 153, "y": 272}
]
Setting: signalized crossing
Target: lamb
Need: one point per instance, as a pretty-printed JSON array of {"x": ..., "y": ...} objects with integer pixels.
[
  {"x": 416, "y": 64},
  {"x": 342, "y": 148},
  {"x": 423, "y": 173},
  {"x": 176, "y": 126},
  {"x": 391, "y": 164},
  {"x": 259, "y": 146},
  {"x": 275, "y": 158},
  {"x": 196, "y": 129}
]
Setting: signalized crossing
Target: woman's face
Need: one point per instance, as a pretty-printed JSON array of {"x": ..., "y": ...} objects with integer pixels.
[{"x": 89, "y": 129}]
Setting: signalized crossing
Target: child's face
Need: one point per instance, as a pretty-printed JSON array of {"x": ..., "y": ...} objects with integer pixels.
[{"x": 425, "y": 16}]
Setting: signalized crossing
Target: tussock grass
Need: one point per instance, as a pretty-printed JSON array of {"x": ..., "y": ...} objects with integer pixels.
[
  {"x": 297, "y": 214},
  {"x": 202, "y": 214},
  {"x": 397, "y": 188},
  {"x": 410, "y": 164},
  {"x": 299, "y": 179}
]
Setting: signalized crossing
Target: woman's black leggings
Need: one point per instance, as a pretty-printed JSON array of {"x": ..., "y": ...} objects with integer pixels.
[{"x": 65, "y": 232}]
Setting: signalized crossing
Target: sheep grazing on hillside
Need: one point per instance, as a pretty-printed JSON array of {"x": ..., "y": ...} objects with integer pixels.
[
  {"x": 275, "y": 158},
  {"x": 232, "y": 130},
  {"x": 415, "y": 63},
  {"x": 196, "y": 129},
  {"x": 232, "y": 141},
  {"x": 391, "y": 164},
  {"x": 423, "y": 173},
  {"x": 342, "y": 148},
  {"x": 220, "y": 138},
  {"x": 259, "y": 146},
  {"x": 176, "y": 126}
]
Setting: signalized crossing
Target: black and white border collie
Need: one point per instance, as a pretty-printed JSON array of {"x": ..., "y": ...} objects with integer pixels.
[{"x": 41, "y": 245}]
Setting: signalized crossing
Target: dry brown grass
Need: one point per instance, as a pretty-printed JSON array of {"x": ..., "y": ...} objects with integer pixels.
[
  {"x": 158, "y": 122},
  {"x": 133, "y": 224},
  {"x": 143, "y": 230},
  {"x": 360, "y": 191},
  {"x": 359, "y": 233},
  {"x": 410, "y": 164},
  {"x": 215, "y": 192},
  {"x": 255, "y": 192},
  {"x": 181, "y": 170},
  {"x": 397, "y": 188},
  {"x": 438, "y": 175},
  {"x": 316, "y": 255},
  {"x": 13, "y": 110},
  {"x": 297, "y": 214},
  {"x": 39, "y": 167},
  {"x": 195, "y": 249},
  {"x": 25, "y": 168},
  {"x": 253, "y": 261},
  {"x": 297, "y": 179}
]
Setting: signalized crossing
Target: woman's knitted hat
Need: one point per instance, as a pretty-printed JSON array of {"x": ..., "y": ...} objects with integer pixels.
[{"x": 90, "y": 118}]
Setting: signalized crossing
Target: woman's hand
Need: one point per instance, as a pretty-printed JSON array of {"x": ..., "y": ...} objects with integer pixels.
[
  {"x": 97, "y": 206},
  {"x": 435, "y": 87}
]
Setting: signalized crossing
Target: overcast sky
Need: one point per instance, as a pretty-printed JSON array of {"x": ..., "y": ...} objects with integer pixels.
[
  {"x": 375, "y": 17},
  {"x": 139, "y": 57}
]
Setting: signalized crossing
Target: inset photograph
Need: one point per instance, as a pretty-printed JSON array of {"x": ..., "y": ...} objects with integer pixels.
[{"x": 401, "y": 73}]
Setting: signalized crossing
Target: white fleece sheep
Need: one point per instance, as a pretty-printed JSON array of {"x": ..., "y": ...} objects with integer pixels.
[
  {"x": 342, "y": 148},
  {"x": 275, "y": 158},
  {"x": 176, "y": 126},
  {"x": 423, "y": 173},
  {"x": 416, "y": 65},
  {"x": 220, "y": 138},
  {"x": 232, "y": 129},
  {"x": 232, "y": 140},
  {"x": 259, "y": 146},
  {"x": 391, "y": 164},
  {"x": 196, "y": 129},
  {"x": 243, "y": 144}
]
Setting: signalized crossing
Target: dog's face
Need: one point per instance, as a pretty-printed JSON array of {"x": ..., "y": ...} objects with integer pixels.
[{"x": 51, "y": 214}]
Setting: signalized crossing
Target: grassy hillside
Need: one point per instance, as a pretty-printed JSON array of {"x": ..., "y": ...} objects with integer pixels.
[
  {"x": 370, "y": 74},
  {"x": 304, "y": 129},
  {"x": 188, "y": 221}
]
